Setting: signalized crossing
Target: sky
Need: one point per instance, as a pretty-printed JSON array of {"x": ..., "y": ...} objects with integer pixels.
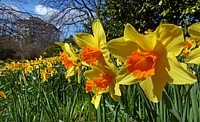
[
  {"x": 36, "y": 8},
  {"x": 26, "y": 6}
]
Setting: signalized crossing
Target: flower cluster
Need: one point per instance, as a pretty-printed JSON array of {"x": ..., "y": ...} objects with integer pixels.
[
  {"x": 148, "y": 59},
  {"x": 45, "y": 66}
]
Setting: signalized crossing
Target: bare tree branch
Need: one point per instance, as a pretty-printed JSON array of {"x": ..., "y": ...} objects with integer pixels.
[{"x": 74, "y": 12}]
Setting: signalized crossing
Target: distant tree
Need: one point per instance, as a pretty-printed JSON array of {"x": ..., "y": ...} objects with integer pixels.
[
  {"x": 27, "y": 37},
  {"x": 74, "y": 12},
  {"x": 52, "y": 50},
  {"x": 9, "y": 48},
  {"x": 37, "y": 32},
  {"x": 8, "y": 17}
]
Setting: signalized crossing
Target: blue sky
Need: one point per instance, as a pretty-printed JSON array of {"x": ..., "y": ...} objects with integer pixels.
[
  {"x": 31, "y": 6},
  {"x": 35, "y": 7},
  {"x": 27, "y": 6}
]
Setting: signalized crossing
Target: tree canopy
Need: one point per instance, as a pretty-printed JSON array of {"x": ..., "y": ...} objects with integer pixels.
[{"x": 148, "y": 14}]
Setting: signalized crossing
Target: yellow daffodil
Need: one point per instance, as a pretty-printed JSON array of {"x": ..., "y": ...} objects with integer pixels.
[
  {"x": 51, "y": 69},
  {"x": 194, "y": 55},
  {"x": 100, "y": 80},
  {"x": 150, "y": 60},
  {"x": 70, "y": 59},
  {"x": 190, "y": 44},
  {"x": 67, "y": 61},
  {"x": 94, "y": 46},
  {"x": 2, "y": 94},
  {"x": 28, "y": 68},
  {"x": 43, "y": 75}
]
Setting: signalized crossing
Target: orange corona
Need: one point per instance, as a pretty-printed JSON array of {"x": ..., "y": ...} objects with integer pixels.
[
  {"x": 68, "y": 62},
  {"x": 90, "y": 54},
  {"x": 142, "y": 64},
  {"x": 101, "y": 83}
]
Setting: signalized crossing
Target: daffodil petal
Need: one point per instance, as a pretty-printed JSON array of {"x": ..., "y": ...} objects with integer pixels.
[
  {"x": 194, "y": 30},
  {"x": 117, "y": 89},
  {"x": 70, "y": 72},
  {"x": 178, "y": 73},
  {"x": 106, "y": 57},
  {"x": 112, "y": 91},
  {"x": 153, "y": 88},
  {"x": 194, "y": 56},
  {"x": 120, "y": 48},
  {"x": 98, "y": 32},
  {"x": 171, "y": 37},
  {"x": 61, "y": 44},
  {"x": 126, "y": 78},
  {"x": 92, "y": 74},
  {"x": 96, "y": 100},
  {"x": 68, "y": 49},
  {"x": 146, "y": 42},
  {"x": 85, "y": 39}
]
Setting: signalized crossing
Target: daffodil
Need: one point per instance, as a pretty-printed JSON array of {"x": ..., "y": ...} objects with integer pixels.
[
  {"x": 190, "y": 44},
  {"x": 2, "y": 94},
  {"x": 28, "y": 68},
  {"x": 194, "y": 55},
  {"x": 94, "y": 48},
  {"x": 71, "y": 60},
  {"x": 150, "y": 60},
  {"x": 100, "y": 80},
  {"x": 51, "y": 69},
  {"x": 43, "y": 75}
]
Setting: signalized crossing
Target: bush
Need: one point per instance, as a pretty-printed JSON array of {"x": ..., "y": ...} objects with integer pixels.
[
  {"x": 52, "y": 50},
  {"x": 7, "y": 54}
]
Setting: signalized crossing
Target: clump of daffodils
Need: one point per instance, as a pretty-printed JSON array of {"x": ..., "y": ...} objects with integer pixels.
[{"x": 146, "y": 59}]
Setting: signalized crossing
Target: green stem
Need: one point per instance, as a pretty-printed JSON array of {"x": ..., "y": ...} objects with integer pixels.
[{"x": 104, "y": 106}]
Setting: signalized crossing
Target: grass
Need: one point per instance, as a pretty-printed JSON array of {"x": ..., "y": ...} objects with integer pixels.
[{"x": 31, "y": 100}]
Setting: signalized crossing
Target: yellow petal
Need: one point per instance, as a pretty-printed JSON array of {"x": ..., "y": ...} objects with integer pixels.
[
  {"x": 194, "y": 56},
  {"x": 112, "y": 91},
  {"x": 98, "y": 32},
  {"x": 178, "y": 73},
  {"x": 96, "y": 100},
  {"x": 171, "y": 37},
  {"x": 153, "y": 88},
  {"x": 61, "y": 44},
  {"x": 92, "y": 74},
  {"x": 67, "y": 48},
  {"x": 117, "y": 89},
  {"x": 120, "y": 48},
  {"x": 126, "y": 78},
  {"x": 194, "y": 30},
  {"x": 106, "y": 57},
  {"x": 146, "y": 42},
  {"x": 69, "y": 51},
  {"x": 70, "y": 72},
  {"x": 84, "y": 39}
]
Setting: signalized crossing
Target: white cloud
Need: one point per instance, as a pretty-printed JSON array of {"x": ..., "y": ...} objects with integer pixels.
[
  {"x": 49, "y": 13},
  {"x": 45, "y": 11}
]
